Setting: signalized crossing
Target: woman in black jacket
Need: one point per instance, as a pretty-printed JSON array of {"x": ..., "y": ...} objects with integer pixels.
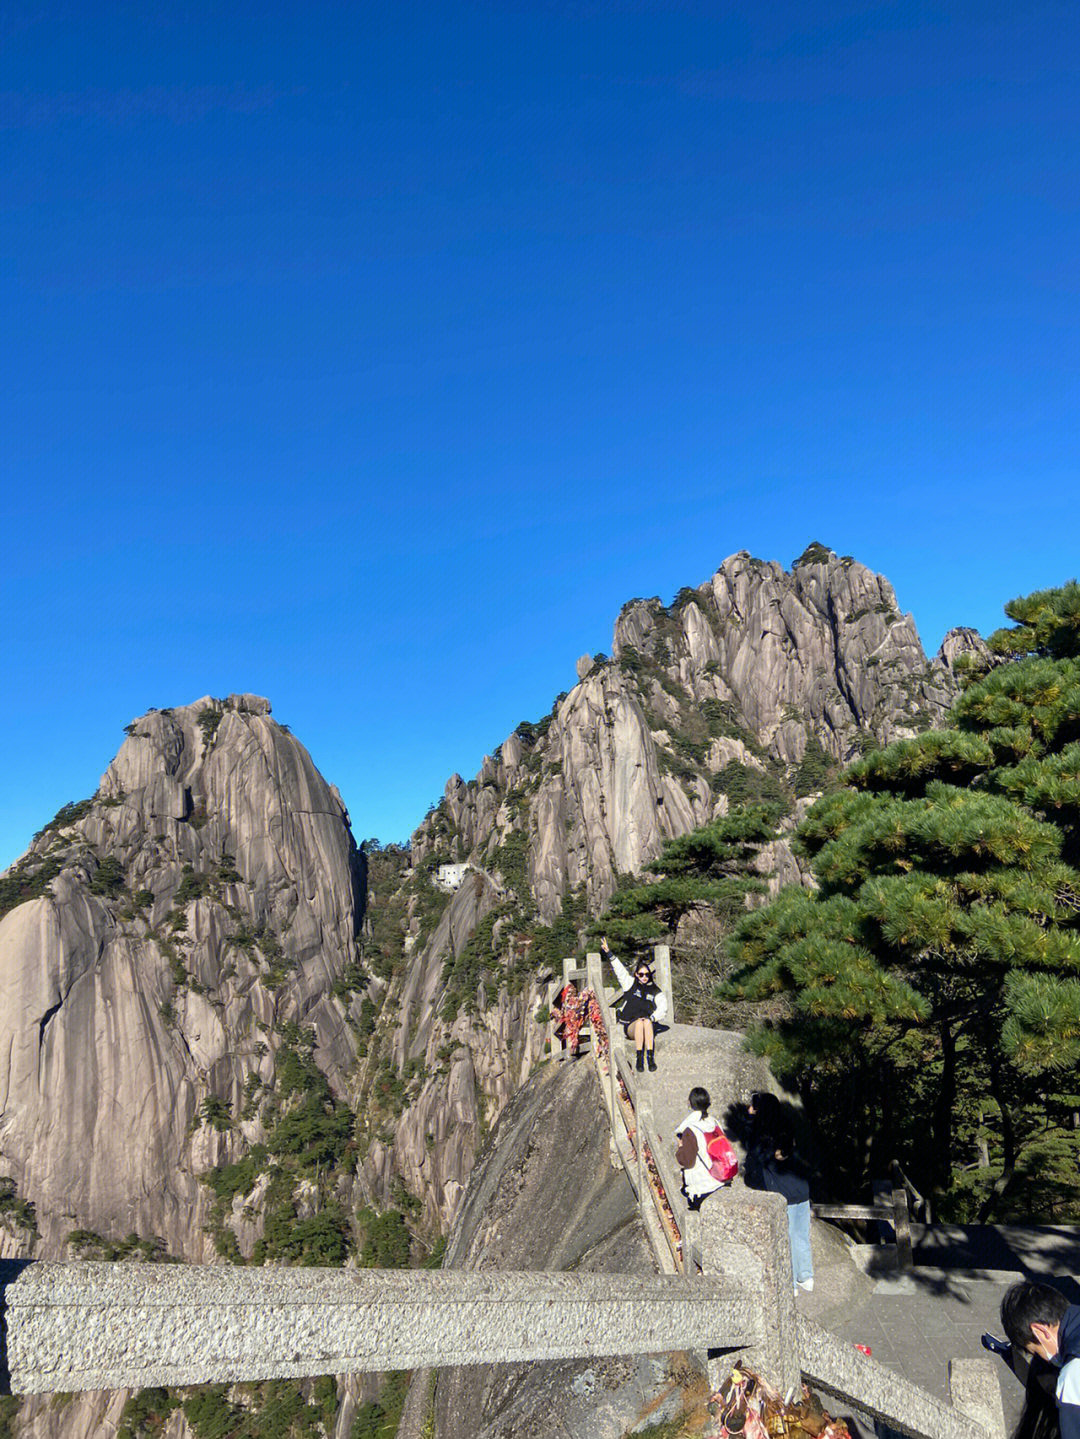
[{"x": 766, "y": 1120}]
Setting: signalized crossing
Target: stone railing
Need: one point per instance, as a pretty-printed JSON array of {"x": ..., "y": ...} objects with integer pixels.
[{"x": 76, "y": 1326}]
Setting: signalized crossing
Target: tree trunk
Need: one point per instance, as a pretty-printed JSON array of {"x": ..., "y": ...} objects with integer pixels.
[
  {"x": 1008, "y": 1143},
  {"x": 943, "y": 1111}
]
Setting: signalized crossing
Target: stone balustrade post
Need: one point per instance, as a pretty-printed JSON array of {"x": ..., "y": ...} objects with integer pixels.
[
  {"x": 744, "y": 1236},
  {"x": 662, "y": 971},
  {"x": 643, "y": 1120}
]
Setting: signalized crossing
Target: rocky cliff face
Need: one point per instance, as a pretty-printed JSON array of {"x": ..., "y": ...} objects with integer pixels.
[
  {"x": 545, "y": 1196},
  {"x": 208, "y": 894},
  {"x": 178, "y": 934},
  {"x": 757, "y": 669}
]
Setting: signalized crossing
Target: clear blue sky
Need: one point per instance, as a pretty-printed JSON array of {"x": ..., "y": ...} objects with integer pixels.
[{"x": 369, "y": 356}]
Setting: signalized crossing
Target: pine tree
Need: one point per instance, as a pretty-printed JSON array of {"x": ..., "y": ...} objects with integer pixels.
[
  {"x": 702, "y": 884},
  {"x": 936, "y": 970}
]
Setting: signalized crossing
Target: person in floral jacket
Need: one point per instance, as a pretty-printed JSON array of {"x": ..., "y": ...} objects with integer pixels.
[{"x": 570, "y": 1011}]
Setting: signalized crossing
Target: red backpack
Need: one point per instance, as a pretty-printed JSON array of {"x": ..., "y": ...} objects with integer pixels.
[{"x": 723, "y": 1161}]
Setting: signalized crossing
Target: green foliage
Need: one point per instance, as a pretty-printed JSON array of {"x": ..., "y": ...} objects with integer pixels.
[
  {"x": 67, "y": 814},
  {"x": 816, "y": 770},
  {"x": 89, "y": 1245},
  {"x": 319, "y": 1239},
  {"x": 815, "y": 554},
  {"x": 16, "y": 1213},
  {"x": 211, "y": 1415},
  {"x": 108, "y": 878},
  {"x": 191, "y": 886},
  {"x": 462, "y": 973},
  {"x": 146, "y": 1413},
  {"x": 380, "y": 1420},
  {"x": 940, "y": 957},
  {"x": 1047, "y": 624},
  {"x": 29, "y": 879},
  {"x": 747, "y": 785},
  {"x": 215, "y": 1113},
  {"x": 274, "y": 1409},
  {"x": 209, "y": 718},
  {"x": 310, "y": 1139},
  {"x": 9, "y": 1410},
  {"x": 531, "y": 733},
  {"x": 705, "y": 875},
  {"x": 511, "y": 860},
  {"x": 230, "y": 1180},
  {"x": 387, "y": 1242}
]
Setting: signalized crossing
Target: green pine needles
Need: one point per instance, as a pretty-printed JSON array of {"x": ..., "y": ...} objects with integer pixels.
[{"x": 933, "y": 979}]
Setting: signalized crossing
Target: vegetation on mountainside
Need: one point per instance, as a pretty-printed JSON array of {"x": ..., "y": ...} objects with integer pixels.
[
  {"x": 932, "y": 982},
  {"x": 274, "y": 1409},
  {"x": 692, "y": 897},
  {"x": 15, "y": 1213}
]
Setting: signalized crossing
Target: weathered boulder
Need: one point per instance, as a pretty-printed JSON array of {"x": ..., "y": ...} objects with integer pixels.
[{"x": 136, "y": 987}]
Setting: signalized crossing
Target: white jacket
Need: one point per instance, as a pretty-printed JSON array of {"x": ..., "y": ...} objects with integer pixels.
[
  {"x": 698, "y": 1181},
  {"x": 626, "y": 979}
]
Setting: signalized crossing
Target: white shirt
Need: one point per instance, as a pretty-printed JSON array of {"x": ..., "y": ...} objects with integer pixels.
[{"x": 699, "y": 1181}]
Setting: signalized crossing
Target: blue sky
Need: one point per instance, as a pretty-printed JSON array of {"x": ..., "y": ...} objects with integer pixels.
[{"x": 369, "y": 356}]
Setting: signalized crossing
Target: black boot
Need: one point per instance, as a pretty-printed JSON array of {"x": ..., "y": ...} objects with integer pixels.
[
  {"x": 650, "y": 1055},
  {"x": 640, "y": 1065}
]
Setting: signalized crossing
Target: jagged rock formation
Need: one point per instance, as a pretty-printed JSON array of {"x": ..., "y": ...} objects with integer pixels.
[
  {"x": 209, "y": 892},
  {"x": 757, "y": 682},
  {"x": 757, "y": 668},
  {"x": 173, "y": 929}
]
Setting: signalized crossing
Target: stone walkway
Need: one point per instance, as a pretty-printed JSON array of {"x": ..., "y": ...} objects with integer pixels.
[{"x": 913, "y": 1323}]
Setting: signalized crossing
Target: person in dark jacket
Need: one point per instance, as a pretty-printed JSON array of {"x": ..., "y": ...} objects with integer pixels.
[
  {"x": 783, "y": 1174},
  {"x": 1039, "y": 1419},
  {"x": 763, "y": 1110},
  {"x": 1040, "y": 1321},
  {"x": 641, "y": 1005}
]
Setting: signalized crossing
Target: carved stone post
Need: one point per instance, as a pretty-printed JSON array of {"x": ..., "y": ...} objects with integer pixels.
[
  {"x": 904, "y": 1257},
  {"x": 744, "y": 1236},
  {"x": 662, "y": 970},
  {"x": 975, "y": 1392}
]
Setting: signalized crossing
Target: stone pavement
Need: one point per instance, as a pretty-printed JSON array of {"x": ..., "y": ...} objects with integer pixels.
[{"x": 914, "y": 1324}]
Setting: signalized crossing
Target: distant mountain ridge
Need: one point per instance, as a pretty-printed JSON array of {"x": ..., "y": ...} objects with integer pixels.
[{"x": 757, "y": 668}]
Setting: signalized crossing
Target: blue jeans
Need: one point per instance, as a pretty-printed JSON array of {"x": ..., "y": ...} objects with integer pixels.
[{"x": 798, "y": 1225}]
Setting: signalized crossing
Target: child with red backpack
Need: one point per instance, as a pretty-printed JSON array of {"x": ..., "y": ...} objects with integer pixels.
[{"x": 704, "y": 1152}]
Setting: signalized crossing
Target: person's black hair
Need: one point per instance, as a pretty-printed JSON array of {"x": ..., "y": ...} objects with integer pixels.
[
  {"x": 699, "y": 1099},
  {"x": 1026, "y": 1304},
  {"x": 766, "y": 1107}
]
